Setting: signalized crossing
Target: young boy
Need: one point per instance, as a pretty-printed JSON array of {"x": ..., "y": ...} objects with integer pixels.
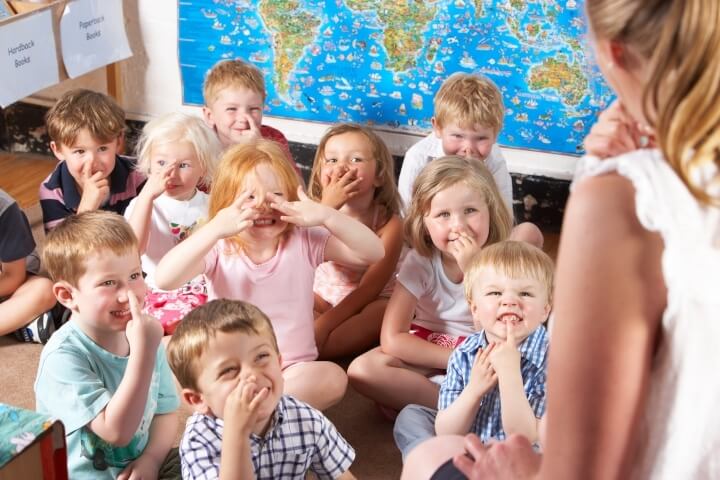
[
  {"x": 234, "y": 93},
  {"x": 86, "y": 131},
  {"x": 468, "y": 117},
  {"x": 495, "y": 382},
  {"x": 26, "y": 299},
  {"x": 104, "y": 373},
  {"x": 225, "y": 356}
]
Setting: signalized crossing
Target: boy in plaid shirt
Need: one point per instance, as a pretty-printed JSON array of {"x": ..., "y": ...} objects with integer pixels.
[{"x": 226, "y": 358}]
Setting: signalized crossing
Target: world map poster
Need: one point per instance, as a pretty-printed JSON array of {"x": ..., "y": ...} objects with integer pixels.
[{"x": 380, "y": 62}]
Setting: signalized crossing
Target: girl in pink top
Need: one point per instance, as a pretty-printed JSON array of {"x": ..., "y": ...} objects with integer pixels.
[
  {"x": 354, "y": 173},
  {"x": 262, "y": 244}
]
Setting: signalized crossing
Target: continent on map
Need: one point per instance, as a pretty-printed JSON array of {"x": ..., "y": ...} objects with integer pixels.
[
  {"x": 404, "y": 24},
  {"x": 292, "y": 29},
  {"x": 559, "y": 75}
]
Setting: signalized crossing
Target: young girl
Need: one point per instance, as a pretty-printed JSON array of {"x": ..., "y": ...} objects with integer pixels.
[
  {"x": 353, "y": 172},
  {"x": 632, "y": 380},
  {"x": 177, "y": 152},
  {"x": 262, "y": 244},
  {"x": 456, "y": 209}
]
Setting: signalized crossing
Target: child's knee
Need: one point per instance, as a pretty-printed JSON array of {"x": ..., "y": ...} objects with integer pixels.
[
  {"x": 361, "y": 369},
  {"x": 336, "y": 381},
  {"x": 529, "y": 233}
]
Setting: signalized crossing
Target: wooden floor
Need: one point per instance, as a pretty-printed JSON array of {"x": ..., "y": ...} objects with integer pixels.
[{"x": 21, "y": 175}]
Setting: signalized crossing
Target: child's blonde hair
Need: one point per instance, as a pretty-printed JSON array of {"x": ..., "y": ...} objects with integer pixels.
[
  {"x": 193, "y": 335},
  {"x": 512, "y": 259},
  {"x": 441, "y": 174},
  {"x": 680, "y": 41},
  {"x": 232, "y": 74},
  {"x": 179, "y": 127},
  {"x": 237, "y": 163},
  {"x": 81, "y": 108},
  {"x": 68, "y": 245},
  {"x": 469, "y": 100},
  {"x": 386, "y": 195}
]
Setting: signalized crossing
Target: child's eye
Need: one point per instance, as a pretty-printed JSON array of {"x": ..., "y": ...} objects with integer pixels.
[
  {"x": 230, "y": 109},
  {"x": 79, "y": 152},
  {"x": 356, "y": 159},
  {"x": 103, "y": 148},
  {"x": 136, "y": 275},
  {"x": 227, "y": 371},
  {"x": 526, "y": 294},
  {"x": 184, "y": 165},
  {"x": 161, "y": 163},
  {"x": 493, "y": 293},
  {"x": 255, "y": 109},
  {"x": 331, "y": 160},
  {"x": 279, "y": 194},
  {"x": 470, "y": 210},
  {"x": 443, "y": 215},
  {"x": 107, "y": 283},
  {"x": 456, "y": 135},
  {"x": 262, "y": 356}
]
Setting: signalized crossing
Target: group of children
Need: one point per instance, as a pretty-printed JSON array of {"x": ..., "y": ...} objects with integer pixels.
[{"x": 257, "y": 284}]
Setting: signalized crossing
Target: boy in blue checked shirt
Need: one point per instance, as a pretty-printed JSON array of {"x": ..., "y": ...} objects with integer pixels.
[
  {"x": 225, "y": 356},
  {"x": 495, "y": 382}
]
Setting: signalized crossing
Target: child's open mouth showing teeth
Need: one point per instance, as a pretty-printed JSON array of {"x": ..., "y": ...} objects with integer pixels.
[{"x": 264, "y": 221}]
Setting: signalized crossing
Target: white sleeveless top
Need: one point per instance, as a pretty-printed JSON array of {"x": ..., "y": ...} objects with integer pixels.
[{"x": 680, "y": 437}]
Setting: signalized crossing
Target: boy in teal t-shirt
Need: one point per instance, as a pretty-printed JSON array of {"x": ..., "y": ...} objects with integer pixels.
[{"x": 104, "y": 374}]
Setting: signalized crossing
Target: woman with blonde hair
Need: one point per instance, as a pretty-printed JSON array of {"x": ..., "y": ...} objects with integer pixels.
[{"x": 634, "y": 344}]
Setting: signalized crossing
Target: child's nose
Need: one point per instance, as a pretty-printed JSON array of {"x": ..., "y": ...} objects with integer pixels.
[
  {"x": 509, "y": 299},
  {"x": 122, "y": 296}
]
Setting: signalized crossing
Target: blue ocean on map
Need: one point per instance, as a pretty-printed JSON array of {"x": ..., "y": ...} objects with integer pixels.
[{"x": 380, "y": 62}]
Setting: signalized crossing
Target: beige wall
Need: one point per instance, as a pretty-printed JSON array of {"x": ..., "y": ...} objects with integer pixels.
[{"x": 151, "y": 86}]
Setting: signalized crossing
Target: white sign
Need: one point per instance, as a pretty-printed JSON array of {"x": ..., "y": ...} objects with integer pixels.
[
  {"x": 28, "y": 60},
  {"x": 92, "y": 35}
]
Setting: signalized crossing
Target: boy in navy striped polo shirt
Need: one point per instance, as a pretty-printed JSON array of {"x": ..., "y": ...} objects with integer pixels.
[{"x": 86, "y": 131}]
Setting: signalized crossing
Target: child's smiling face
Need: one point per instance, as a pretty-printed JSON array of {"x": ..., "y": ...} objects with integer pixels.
[
  {"x": 264, "y": 186},
  {"x": 498, "y": 300},
  {"x": 233, "y": 358}
]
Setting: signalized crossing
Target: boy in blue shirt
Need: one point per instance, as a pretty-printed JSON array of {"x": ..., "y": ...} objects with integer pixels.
[
  {"x": 495, "y": 382},
  {"x": 104, "y": 373}
]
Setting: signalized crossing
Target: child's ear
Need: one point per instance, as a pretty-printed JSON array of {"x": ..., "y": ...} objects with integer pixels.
[
  {"x": 63, "y": 291},
  {"x": 208, "y": 116},
  {"x": 196, "y": 401},
  {"x": 56, "y": 150},
  {"x": 436, "y": 128}
]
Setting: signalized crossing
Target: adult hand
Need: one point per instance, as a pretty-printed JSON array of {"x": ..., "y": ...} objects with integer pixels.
[
  {"x": 616, "y": 132},
  {"x": 512, "y": 459}
]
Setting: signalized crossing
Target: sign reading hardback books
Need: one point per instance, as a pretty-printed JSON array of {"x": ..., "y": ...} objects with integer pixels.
[{"x": 28, "y": 60}]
